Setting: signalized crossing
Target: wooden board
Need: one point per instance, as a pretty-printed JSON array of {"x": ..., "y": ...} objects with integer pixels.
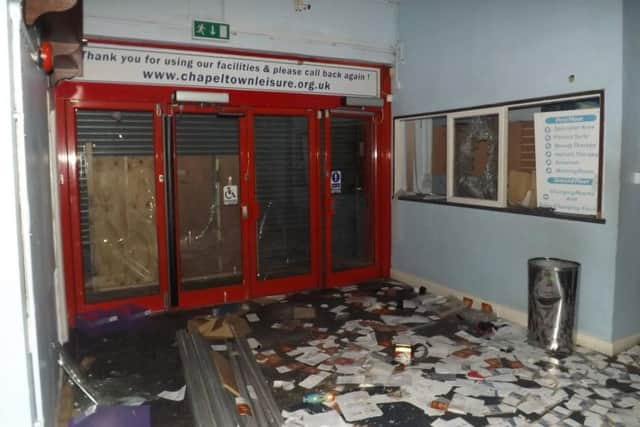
[
  {"x": 439, "y": 151},
  {"x": 522, "y": 156},
  {"x": 210, "y": 239},
  {"x": 122, "y": 222}
]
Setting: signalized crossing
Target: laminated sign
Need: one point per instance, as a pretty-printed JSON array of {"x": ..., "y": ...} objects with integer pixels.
[
  {"x": 336, "y": 182},
  {"x": 567, "y": 159},
  {"x": 230, "y": 195}
]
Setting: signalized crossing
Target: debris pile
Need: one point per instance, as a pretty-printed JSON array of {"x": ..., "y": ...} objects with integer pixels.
[
  {"x": 373, "y": 354},
  {"x": 370, "y": 350}
]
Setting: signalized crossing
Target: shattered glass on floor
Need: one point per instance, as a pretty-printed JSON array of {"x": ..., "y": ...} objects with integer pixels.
[
  {"x": 379, "y": 354},
  {"x": 457, "y": 373}
]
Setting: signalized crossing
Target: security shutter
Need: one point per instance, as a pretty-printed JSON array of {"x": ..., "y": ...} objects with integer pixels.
[
  {"x": 282, "y": 191},
  {"x": 194, "y": 134}
]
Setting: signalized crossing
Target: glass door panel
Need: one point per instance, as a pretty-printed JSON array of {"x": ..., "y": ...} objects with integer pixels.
[
  {"x": 117, "y": 198},
  {"x": 351, "y": 193},
  {"x": 282, "y": 188},
  {"x": 208, "y": 215}
]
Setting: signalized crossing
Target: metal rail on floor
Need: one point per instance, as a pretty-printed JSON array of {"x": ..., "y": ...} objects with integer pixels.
[
  {"x": 257, "y": 418},
  {"x": 223, "y": 402},
  {"x": 258, "y": 382},
  {"x": 211, "y": 404}
]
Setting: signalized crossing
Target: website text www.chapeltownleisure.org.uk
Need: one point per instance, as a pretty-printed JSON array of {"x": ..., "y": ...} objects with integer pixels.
[{"x": 258, "y": 82}]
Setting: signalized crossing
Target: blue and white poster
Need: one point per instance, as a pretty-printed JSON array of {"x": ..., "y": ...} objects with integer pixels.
[
  {"x": 336, "y": 182},
  {"x": 567, "y": 158}
]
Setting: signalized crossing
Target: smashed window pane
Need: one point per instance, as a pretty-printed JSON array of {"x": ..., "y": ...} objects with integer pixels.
[{"x": 476, "y": 157}]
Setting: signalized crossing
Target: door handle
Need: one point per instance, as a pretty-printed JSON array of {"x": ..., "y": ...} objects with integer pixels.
[{"x": 245, "y": 212}]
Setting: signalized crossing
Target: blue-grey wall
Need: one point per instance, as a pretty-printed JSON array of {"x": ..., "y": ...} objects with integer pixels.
[
  {"x": 626, "y": 320},
  {"x": 462, "y": 53}
]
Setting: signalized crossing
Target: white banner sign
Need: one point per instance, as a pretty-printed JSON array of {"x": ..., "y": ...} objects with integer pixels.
[
  {"x": 567, "y": 154},
  {"x": 124, "y": 64}
]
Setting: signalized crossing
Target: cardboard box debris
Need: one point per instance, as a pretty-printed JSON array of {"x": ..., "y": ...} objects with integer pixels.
[
  {"x": 214, "y": 327},
  {"x": 522, "y": 189}
]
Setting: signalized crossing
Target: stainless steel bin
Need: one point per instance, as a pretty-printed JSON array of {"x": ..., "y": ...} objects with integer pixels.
[{"x": 553, "y": 286}]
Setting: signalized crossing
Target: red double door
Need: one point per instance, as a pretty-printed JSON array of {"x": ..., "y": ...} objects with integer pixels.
[{"x": 169, "y": 206}]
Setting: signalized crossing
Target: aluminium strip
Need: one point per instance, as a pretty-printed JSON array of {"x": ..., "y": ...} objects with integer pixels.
[
  {"x": 209, "y": 376},
  {"x": 261, "y": 416},
  {"x": 200, "y": 407},
  {"x": 260, "y": 383},
  {"x": 202, "y": 398},
  {"x": 257, "y": 417},
  {"x": 266, "y": 390},
  {"x": 224, "y": 406}
]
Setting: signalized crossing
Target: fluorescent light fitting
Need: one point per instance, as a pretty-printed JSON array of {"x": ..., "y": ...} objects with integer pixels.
[
  {"x": 201, "y": 97},
  {"x": 362, "y": 101}
]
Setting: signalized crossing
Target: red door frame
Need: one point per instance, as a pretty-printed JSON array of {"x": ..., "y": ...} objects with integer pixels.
[
  {"x": 72, "y": 247},
  {"x": 312, "y": 279},
  {"x": 231, "y": 292},
  {"x": 101, "y": 95}
]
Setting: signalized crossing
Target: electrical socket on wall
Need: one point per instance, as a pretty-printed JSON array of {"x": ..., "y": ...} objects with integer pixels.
[{"x": 635, "y": 178}]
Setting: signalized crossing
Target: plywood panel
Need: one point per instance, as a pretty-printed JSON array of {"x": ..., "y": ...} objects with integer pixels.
[
  {"x": 122, "y": 222},
  {"x": 439, "y": 151},
  {"x": 522, "y": 146},
  {"x": 210, "y": 240},
  {"x": 195, "y": 193},
  {"x": 197, "y": 215}
]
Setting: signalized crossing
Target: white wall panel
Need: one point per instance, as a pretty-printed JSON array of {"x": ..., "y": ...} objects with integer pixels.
[{"x": 349, "y": 29}]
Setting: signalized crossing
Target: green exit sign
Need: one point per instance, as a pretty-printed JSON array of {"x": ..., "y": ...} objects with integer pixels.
[{"x": 210, "y": 30}]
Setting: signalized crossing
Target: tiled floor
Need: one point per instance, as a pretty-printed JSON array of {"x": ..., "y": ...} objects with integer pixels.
[{"x": 344, "y": 340}]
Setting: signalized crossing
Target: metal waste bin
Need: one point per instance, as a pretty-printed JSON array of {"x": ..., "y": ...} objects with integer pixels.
[{"x": 553, "y": 285}]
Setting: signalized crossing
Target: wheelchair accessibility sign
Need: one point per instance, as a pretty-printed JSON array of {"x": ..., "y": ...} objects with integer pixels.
[
  {"x": 336, "y": 182},
  {"x": 230, "y": 195}
]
